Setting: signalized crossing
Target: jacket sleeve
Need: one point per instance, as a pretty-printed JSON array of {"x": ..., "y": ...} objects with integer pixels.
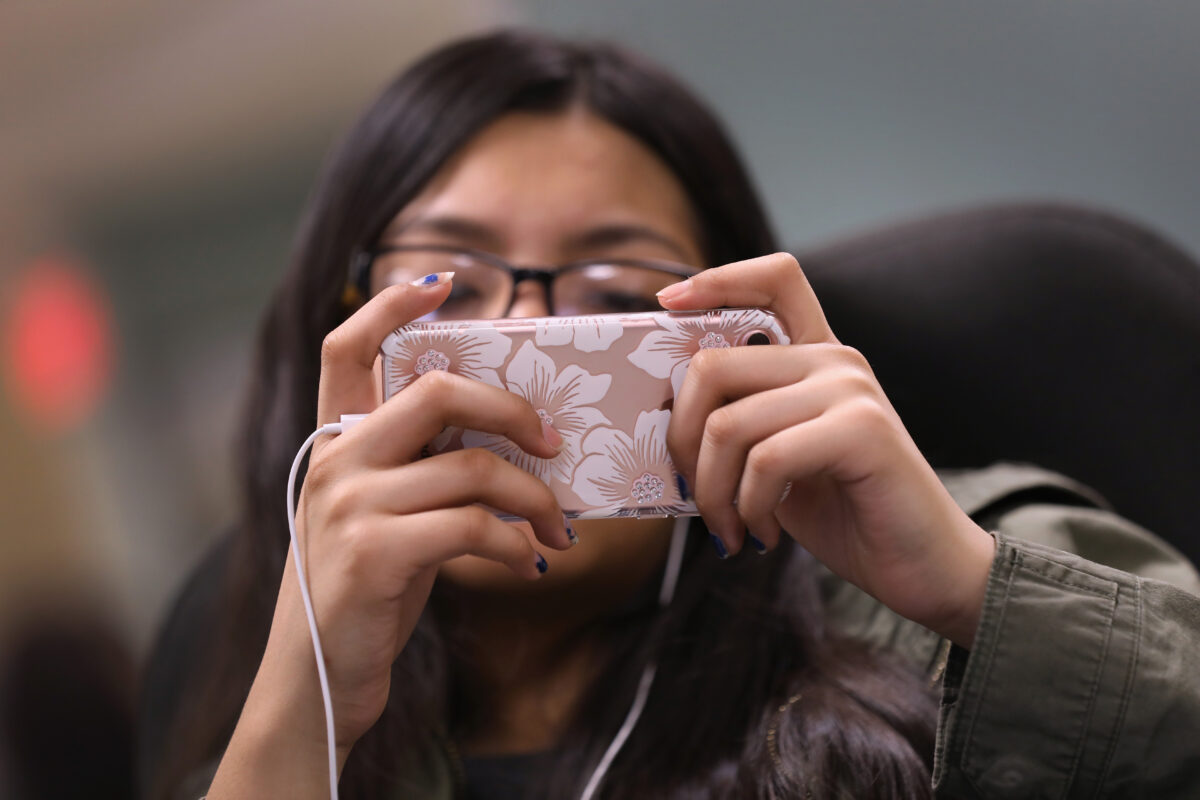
[{"x": 1081, "y": 680}]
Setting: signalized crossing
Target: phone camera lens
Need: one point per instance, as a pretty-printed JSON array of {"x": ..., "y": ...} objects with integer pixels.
[{"x": 758, "y": 337}]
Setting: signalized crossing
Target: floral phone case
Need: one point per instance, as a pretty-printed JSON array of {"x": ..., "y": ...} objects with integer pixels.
[{"x": 606, "y": 383}]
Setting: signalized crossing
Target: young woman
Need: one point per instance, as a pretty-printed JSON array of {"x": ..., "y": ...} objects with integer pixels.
[{"x": 472, "y": 657}]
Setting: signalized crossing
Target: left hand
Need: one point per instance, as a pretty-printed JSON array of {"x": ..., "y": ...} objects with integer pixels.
[{"x": 749, "y": 422}]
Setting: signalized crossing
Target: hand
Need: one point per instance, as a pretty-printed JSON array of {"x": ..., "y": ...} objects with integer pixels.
[
  {"x": 374, "y": 523},
  {"x": 801, "y": 437}
]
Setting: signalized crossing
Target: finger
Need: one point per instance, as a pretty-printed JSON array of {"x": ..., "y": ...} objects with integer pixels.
[
  {"x": 717, "y": 376},
  {"x": 774, "y": 282},
  {"x": 396, "y": 432},
  {"x": 348, "y": 353},
  {"x": 460, "y": 478},
  {"x": 796, "y": 455},
  {"x": 729, "y": 435},
  {"x": 403, "y": 544}
]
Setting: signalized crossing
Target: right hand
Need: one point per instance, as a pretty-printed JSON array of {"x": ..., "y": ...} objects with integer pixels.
[{"x": 375, "y": 522}]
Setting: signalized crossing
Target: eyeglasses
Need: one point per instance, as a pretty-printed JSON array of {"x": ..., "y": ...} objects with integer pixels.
[{"x": 485, "y": 285}]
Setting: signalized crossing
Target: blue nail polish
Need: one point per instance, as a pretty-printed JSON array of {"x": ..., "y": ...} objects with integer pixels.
[
  {"x": 720, "y": 546},
  {"x": 542, "y": 566},
  {"x": 758, "y": 546},
  {"x": 430, "y": 278},
  {"x": 681, "y": 484}
]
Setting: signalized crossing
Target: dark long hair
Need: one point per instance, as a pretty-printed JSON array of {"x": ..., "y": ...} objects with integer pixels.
[{"x": 739, "y": 639}]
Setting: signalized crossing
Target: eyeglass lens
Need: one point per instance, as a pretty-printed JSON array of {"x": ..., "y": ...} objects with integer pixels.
[{"x": 484, "y": 291}]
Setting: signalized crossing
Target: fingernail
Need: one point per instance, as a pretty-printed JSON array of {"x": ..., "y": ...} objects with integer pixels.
[
  {"x": 674, "y": 290},
  {"x": 552, "y": 437},
  {"x": 758, "y": 546},
  {"x": 720, "y": 546},
  {"x": 681, "y": 485},
  {"x": 432, "y": 279},
  {"x": 542, "y": 566},
  {"x": 571, "y": 535}
]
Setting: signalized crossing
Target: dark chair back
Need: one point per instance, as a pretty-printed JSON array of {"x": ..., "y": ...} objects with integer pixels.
[{"x": 1042, "y": 333}]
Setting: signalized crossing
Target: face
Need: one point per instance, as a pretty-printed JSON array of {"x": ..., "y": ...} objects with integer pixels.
[{"x": 545, "y": 189}]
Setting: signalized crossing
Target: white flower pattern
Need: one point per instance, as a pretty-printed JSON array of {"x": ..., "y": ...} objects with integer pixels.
[
  {"x": 563, "y": 398},
  {"x": 629, "y": 476},
  {"x": 666, "y": 352},
  {"x": 588, "y": 334},
  {"x": 474, "y": 352}
]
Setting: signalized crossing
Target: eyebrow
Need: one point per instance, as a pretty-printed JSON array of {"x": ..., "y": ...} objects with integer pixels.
[
  {"x": 486, "y": 238},
  {"x": 618, "y": 234},
  {"x": 476, "y": 233}
]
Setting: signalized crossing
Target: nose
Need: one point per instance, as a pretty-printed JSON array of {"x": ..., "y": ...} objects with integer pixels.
[{"x": 529, "y": 300}]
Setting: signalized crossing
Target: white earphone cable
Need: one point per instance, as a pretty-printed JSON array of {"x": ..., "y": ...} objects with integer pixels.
[
  {"x": 326, "y": 697},
  {"x": 666, "y": 593}
]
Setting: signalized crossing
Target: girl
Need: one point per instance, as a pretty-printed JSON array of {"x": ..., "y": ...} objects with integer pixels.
[{"x": 472, "y": 657}]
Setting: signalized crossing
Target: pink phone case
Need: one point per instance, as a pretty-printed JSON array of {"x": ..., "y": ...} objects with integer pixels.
[{"x": 606, "y": 383}]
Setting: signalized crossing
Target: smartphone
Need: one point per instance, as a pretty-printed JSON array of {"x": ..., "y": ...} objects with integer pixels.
[{"x": 605, "y": 382}]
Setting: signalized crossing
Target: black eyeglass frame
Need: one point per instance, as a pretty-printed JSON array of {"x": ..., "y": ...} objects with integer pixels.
[{"x": 360, "y": 268}]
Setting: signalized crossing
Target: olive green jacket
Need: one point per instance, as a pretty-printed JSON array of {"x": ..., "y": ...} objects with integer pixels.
[{"x": 1082, "y": 680}]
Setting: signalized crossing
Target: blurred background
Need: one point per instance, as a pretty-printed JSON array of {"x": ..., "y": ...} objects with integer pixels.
[{"x": 154, "y": 158}]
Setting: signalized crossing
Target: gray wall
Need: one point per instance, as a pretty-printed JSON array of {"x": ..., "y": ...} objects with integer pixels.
[{"x": 852, "y": 113}]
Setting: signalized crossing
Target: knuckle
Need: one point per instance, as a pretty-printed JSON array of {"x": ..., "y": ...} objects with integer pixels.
[
  {"x": 854, "y": 381},
  {"x": 867, "y": 414},
  {"x": 721, "y": 428},
  {"x": 765, "y": 458},
  {"x": 539, "y": 496},
  {"x": 478, "y": 464},
  {"x": 354, "y": 546},
  {"x": 333, "y": 347},
  {"x": 475, "y": 525},
  {"x": 320, "y": 475},
  {"x": 703, "y": 362},
  {"x": 546, "y": 504},
  {"x": 710, "y": 506},
  {"x": 705, "y": 366},
  {"x": 750, "y": 517},
  {"x": 854, "y": 357},
  {"x": 703, "y": 506},
  {"x": 518, "y": 415},
  {"x": 356, "y": 532},
  {"x": 516, "y": 548},
  {"x": 391, "y": 301},
  {"x": 392, "y": 295},
  {"x": 434, "y": 384},
  {"x": 340, "y": 499},
  {"x": 785, "y": 263}
]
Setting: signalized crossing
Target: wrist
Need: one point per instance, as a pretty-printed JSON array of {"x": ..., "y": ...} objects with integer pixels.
[
  {"x": 280, "y": 744},
  {"x": 972, "y": 564},
  {"x": 290, "y": 711},
  {"x": 278, "y": 748}
]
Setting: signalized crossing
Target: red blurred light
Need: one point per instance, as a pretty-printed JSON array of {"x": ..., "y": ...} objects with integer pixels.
[{"x": 58, "y": 350}]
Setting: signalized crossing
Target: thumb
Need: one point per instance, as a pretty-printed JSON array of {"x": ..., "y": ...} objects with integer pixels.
[{"x": 349, "y": 351}]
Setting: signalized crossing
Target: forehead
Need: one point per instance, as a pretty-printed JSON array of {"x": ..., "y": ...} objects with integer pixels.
[{"x": 537, "y": 176}]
